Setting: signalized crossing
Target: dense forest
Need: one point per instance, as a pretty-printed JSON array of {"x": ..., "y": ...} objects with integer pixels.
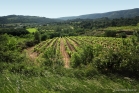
[{"x": 105, "y": 22}]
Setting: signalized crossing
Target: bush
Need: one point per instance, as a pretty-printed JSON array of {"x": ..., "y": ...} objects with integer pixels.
[
  {"x": 122, "y": 62},
  {"x": 76, "y": 60},
  {"x": 44, "y": 37},
  {"x": 30, "y": 43},
  {"x": 109, "y": 33},
  {"x": 84, "y": 56},
  {"x": 122, "y": 35},
  {"x": 79, "y": 73},
  {"x": 51, "y": 58},
  {"x": 9, "y": 52},
  {"x": 108, "y": 62}
]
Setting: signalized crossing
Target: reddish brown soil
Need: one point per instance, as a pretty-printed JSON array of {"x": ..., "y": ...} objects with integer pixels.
[{"x": 65, "y": 55}]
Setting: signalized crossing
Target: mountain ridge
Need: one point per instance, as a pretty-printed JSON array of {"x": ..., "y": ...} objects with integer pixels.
[
  {"x": 42, "y": 20},
  {"x": 26, "y": 19},
  {"x": 112, "y": 14}
]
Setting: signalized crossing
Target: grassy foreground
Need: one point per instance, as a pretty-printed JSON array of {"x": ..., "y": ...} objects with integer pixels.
[{"x": 65, "y": 83}]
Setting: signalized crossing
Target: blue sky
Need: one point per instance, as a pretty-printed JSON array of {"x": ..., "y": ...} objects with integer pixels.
[{"x": 62, "y": 8}]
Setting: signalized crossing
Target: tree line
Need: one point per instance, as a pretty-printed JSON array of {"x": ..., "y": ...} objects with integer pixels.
[
  {"x": 14, "y": 32},
  {"x": 104, "y": 22}
]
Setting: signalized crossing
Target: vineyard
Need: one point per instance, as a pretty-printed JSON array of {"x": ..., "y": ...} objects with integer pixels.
[
  {"x": 71, "y": 64},
  {"x": 65, "y": 48},
  {"x": 83, "y": 54}
]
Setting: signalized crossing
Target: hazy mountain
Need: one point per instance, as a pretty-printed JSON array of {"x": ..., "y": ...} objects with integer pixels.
[
  {"x": 25, "y": 19},
  {"x": 114, "y": 14},
  {"x": 35, "y": 19}
]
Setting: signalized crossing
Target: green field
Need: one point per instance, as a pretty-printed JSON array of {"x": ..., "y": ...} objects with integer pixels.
[{"x": 31, "y": 30}]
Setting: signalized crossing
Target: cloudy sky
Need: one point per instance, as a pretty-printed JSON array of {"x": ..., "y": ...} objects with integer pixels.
[{"x": 62, "y": 8}]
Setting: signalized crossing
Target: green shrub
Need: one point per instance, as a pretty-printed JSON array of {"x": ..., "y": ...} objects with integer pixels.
[
  {"x": 84, "y": 56},
  {"x": 37, "y": 37},
  {"x": 44, "y": 37},
  {"x": 122, "y": 62},
  {"x": 109, "y": 33},
  {"x": 51, "y": 58},
  {"x": 122, "y": 35},
  {"x": 79, "y": 73}
]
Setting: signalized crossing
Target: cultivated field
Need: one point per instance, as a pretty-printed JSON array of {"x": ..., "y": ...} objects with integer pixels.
[{"x": 66, "y": 47}]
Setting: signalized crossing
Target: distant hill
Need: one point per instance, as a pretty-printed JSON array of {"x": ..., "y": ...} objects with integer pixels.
[
  {"x": 114, "y": 14},
  {"x": 25, "y": 19},
  {"x": 35, "y": 19}
]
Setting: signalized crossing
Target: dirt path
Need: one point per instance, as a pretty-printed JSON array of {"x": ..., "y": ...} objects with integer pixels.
[
  {"x": 32, "y": 55},
  {"x": 65, "y": 55}
]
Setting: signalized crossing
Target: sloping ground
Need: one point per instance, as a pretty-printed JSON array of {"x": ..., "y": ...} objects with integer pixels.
[
  {"x": 69, "y": 45},
  {"x": 65, "y": 55},
  {"x": 53, "y": 83},
  {"x": 74, "y": 42},
  {"x": 32, "y": 55}
]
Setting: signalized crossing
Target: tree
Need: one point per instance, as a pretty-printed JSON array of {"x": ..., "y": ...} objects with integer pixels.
[{"x": 37, "y": 37}]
